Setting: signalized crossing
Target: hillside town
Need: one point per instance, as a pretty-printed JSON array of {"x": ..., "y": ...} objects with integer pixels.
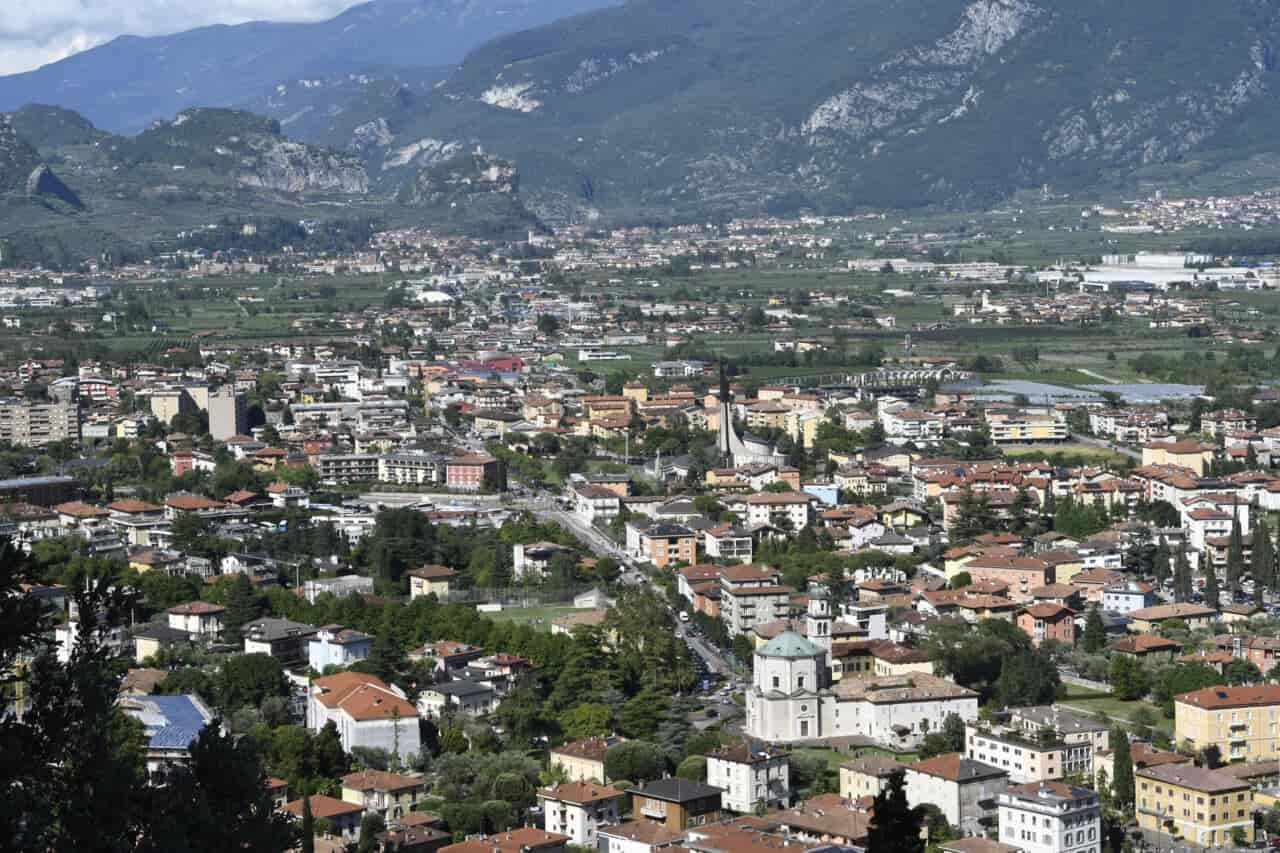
[{"x": 466, "y": 589}]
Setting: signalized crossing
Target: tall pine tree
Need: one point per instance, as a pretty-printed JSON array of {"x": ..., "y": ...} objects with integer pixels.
[{"x": 1235, "y": 556}]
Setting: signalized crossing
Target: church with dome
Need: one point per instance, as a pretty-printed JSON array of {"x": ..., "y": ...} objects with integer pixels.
[{"x": 793, "y": 698}]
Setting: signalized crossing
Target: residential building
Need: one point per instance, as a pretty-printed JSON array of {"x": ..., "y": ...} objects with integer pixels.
[
  {"x": 342, "y": 817},
  {"x": 366, "y": 711},
  {"x": 461, "y": 696},
  {"x": 583, "y": 760},
  {"x": 170, "y": 724},
  {"x": 334, "y": 645},
  {"x": 473, "y": 472},
  {"x": 1046, "y": 622},
  {"x": 283, "y": 639},
  {"x": 1149, "y": 619},
  {"x": 751, "y": 776},
  {"x": 197, "y": 618},
  {"x": 595, "y": 502},
  {"x": 1050, "y": 817},
  {"x": 1194, "y": 804},
  {"x": 676, "y": 803},
  {"x": 790, "y": 511},
  {"x": 662, "y": 544},
  {"x": 228, "y": 413},
  {"x": 751, "y": 595},
  {"x": 431, "y": 580},
  {"x": 578, "y": 810},
  {"x": 523, "y": 840},
  {"x": 638, "y": 836},
  {"x": 963, "y": 789},
  {"x": 25, "y": 423},
  {"x": 1243, "y": 722},
  {"x": 391, "y": 795},
  {"x": 1128, "y": 596},
  {"x": 866, "y": 775},
  {"x": 727, "y": 542}
]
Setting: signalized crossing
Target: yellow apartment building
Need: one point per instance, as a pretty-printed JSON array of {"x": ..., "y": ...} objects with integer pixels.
[
  {"x": 1194, "y": 804},
  {"x": 1243, "y": 722}
]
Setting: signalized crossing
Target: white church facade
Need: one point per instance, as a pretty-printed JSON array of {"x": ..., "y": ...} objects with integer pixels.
[{"x": 793, "y": 699}]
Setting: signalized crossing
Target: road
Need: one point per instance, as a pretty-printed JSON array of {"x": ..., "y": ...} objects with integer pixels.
[{"x": 1096, "y": 375}]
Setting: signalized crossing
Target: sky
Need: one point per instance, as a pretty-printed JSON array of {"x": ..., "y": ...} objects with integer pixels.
[{"x": 37, "y": 32}]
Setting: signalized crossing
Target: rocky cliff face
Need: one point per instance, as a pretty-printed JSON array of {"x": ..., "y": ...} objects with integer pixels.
[
  {"x": 17, "y": 157},
  {"x": 43, "y": 183},
  {"x": 293, "y": 167},
  {"x": 461, "y": 179}
]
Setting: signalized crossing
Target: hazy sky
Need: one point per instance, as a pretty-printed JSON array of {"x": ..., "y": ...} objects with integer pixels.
[{"x": 36, "y": 32}]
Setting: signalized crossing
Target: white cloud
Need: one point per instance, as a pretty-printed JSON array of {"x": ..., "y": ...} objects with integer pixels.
[{"x": 37, "y": 32}]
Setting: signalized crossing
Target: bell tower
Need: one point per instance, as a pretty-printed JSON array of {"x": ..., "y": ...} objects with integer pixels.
[{"x": 818, "y": 620}]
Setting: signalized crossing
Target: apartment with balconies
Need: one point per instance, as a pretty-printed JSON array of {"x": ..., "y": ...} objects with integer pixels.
[
  {"x": 1193, "y": 804},
  {"x": 1242, "y": 722}
]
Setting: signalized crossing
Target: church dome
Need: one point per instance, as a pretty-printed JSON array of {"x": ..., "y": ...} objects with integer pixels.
[{"x": 789, "y": 644}]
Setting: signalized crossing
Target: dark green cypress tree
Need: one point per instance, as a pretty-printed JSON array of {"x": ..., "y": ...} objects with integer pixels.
[
  {"x": 1235, "y": 556},
  {"x": 1160, "y": 565},
  {"x": 1121, "y": 770},
  {"x": 1095, "y": 633},
  {"x": 1212, "y": 597}
]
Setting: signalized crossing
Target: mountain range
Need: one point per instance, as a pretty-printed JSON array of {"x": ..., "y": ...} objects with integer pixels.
[
  {"x": 661, "y": 110},
  {"x": 131, "y": 81}
]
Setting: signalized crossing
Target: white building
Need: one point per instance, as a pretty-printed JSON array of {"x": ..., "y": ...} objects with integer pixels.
[
  {"x": 334, "y": 645},
  {"x": 1050, "y": 817},
  {"x": 366, "y": 712},
  {"x": 962, "y": 788},
  {"x": 197, "y": 618},
  {"x": 792, "y": 697},
  {"x": 790, "y": 511},
  {"x": 579, "y": 809},
  {"x": 595, "y": 502},
  {"x": 750, "y": 775}
]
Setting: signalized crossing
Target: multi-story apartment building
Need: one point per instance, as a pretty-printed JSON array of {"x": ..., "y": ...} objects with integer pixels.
[
  {"x": 662, "y": 544},
  {"x": 1242, "y": 722},
  {"x": 1025, "y": 426},
  {"x": 346, "y": 467},
  {"x": 473, "y": 472},
  {"x": 750, "y": 776},
  {"x": 1193, "y": 803},
  {"x": 579, "y": 809},
  {"x": 1034, "y": 753},
  {"x": 415, "y": 469},
  {"x": 25, "y": 423},
  {"x": 1050, "y": 817},
  {"x": 228, "y": 413},
  {"x": 752, "y": 595},
  {"x": 786, "y": 510}
]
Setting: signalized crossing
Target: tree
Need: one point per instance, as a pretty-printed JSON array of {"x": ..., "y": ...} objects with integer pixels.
[
  {"x": 1127, "y": 677},
  {"x": 1241, "y": 671},
  {"x": 218, "y": 801},
  {"x": 248, "y": 680},
  {"x": 1027, "y": 677},
  {"x": 1182, "y": 678},
  {"x": 1212, "y": 598},
  {"x": 1235, "y": 558},
  {"x": 636, "y": 760},
  {"x": 308, "y": 825},
  {"x": 693, "y": 768},
  {"x": 1121, "y": 770},
  {"x": 895, "y": 825},
  {"x": 1181, "y": 576},
  {"x": 949, "y": 739},
  {"x": 586, "y": 720},
  {"x": 1160, "y": 564},
  {"x": 387, "y": 654},
  {"x": 1094, "y": 638},
  {"x": 1263, "y": 560}
]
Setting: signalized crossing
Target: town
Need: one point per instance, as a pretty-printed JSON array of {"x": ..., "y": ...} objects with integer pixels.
[{"x": 775, "y": 534}]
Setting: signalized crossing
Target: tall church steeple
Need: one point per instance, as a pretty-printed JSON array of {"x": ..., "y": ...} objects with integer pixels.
[{"x": 818, "y": 620}]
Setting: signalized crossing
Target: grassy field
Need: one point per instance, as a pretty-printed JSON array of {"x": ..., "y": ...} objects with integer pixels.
[
  {"x": 1086, "y": 452},
  {"x": 540, "y": 616},
  {"x": 1088, "y": 701}
]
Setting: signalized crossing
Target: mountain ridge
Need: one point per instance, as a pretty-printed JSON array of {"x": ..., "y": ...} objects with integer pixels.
[{"x": 130, "y": 81}]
